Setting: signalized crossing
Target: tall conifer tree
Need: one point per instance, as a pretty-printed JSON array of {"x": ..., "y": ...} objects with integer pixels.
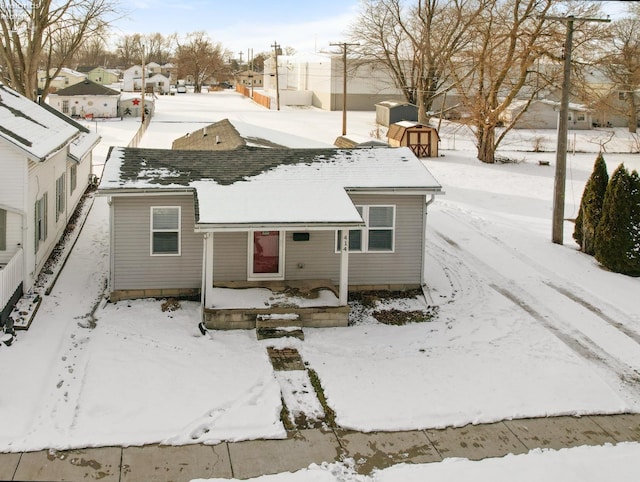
[
  {"x": 617, "y": 239},
  {"x": 591, "y": 207}
]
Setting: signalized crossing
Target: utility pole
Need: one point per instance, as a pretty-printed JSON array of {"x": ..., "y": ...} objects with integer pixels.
[
  {"x": 557, "y": 234},
  {"x": 278, "y": 51},
  {"x": 344, "y": 46},
  {"x": 143, "y": 86}
]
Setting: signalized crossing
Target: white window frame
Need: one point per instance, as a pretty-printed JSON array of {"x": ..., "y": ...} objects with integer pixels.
[
  {"x": 153, "y": 230},
  {"x": 60, "y": 196},
  {"x": 364, "y": 231}
]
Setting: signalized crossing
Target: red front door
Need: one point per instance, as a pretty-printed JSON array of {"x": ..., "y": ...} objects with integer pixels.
[{"x": 266, "y": 252}]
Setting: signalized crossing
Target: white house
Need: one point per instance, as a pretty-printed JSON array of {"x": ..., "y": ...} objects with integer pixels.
[
  {"x": 63, "y": 79},
  {"x": 46, "y": 165},
  {"x": 317, "y": 79},
  {"x": 86, "y": 99},
  {"x": 543, "y": 114},
  {"x": 155, "y": 75}
]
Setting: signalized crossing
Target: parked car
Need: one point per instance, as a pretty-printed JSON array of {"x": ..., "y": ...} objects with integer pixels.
[
  {"x": 181, "y": 89},
  {"x": 225, "y": 85}
]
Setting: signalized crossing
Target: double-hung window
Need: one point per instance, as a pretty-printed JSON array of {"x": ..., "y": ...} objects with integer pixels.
[
  {"x": 59, "y": 196},
  {"x": 378, "y": 234},
  {"x": 165, "y": 230},
  {"x": 40, "y": 220},
  {"x": 73, "y": 178},
  {"x": 3, "y": 229}
]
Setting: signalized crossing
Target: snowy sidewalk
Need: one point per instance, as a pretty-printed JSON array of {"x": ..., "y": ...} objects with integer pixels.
[{"x": 369, "y": 451}]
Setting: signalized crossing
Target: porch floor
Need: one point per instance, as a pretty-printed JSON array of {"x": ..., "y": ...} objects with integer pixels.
[{"x": 237, "y": 304}]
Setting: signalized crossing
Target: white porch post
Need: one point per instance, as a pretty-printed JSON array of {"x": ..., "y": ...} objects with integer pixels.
[
  {"x": 207, "y": 270},
  {"x": 344, "y": 267}
]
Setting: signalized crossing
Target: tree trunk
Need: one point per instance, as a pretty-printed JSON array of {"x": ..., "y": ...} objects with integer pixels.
[
  {"x": 422, "y": 113},
  {"x": 486, "y": 144},
  {"x": 633, "y": 113}
]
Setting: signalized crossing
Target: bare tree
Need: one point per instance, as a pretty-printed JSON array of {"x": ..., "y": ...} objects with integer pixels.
[
  {"x": 129, "y": 50},
  {"x": 45, "y": 34},
  {"x": 494, "y": 68},
  {"x": 159, "y": 48},
  {"x": 199, "y": 58},
  {"x": 622, "y": 66},
  {"x": 415, "y": 42}
]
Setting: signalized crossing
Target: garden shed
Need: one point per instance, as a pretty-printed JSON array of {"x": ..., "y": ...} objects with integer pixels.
[
  {"x": 389, "y": 112},
  {"x": 421, "y": 139}
]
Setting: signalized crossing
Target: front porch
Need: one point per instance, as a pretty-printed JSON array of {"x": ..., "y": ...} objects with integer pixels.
[{"x": 246, "y": 304}]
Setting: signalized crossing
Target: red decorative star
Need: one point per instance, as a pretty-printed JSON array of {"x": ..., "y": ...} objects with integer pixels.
[{"x": 136, "y": 101}]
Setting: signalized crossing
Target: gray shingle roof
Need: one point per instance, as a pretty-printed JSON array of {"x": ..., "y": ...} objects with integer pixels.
[{"x": 87, "y": 87}]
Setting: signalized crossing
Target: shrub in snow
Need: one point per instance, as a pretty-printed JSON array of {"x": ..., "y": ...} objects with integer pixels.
[
  {"x": 617, "y": 243},
  {"x": 591, "y": 207}
]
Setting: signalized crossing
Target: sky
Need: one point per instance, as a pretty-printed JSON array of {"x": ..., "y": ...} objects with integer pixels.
[{"x": 305, "y": 26}]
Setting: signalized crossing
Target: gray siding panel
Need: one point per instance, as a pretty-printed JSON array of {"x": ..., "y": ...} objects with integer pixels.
[
  {"x": 230, "y": 256},
  {"x": 317, "y": 257},
  {"x": 404, "y": 265},
  {"x": 134, "y": 267}
]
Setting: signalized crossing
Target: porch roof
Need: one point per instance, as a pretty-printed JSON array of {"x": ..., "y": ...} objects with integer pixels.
[{"x": 275, "y": 203}]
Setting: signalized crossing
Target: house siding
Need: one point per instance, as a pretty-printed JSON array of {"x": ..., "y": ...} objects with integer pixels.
[
  {"x": 230, "y": 254},
  {"x": 42, "y": 179},
  {"x": 404, "y": 265},
  {"x": 13, "y": 176},
  {"x": 133, "y": 266},
  {"x": 317, "y": 257}
]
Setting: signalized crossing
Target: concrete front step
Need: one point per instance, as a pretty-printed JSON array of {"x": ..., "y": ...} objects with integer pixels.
[{"x": 246, "y": 319}]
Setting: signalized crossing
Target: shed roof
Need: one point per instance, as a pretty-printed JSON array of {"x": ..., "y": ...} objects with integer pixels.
[
  {"x": 272, "y": 186},
  {"x": 31, "y": 127},
  {"x": 397, "y": 130}
]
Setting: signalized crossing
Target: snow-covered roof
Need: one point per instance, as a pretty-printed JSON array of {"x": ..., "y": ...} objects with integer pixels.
[
  {"x": 230, "y": 134},
  {"x": 252, "y": 186},
  {"x": 82, "y": 145},
  {"x": 32, "y": 128}
]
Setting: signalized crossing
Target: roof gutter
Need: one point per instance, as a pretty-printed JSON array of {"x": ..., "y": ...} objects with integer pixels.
[{"x": 241, "y": 227}]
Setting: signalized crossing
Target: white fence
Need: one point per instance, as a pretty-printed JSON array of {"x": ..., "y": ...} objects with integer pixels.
[{"x": 10, "y": 278}]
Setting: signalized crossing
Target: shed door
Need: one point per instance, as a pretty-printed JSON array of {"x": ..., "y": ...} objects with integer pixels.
[
  {"x": 266, "y": 255},
  {"x": 419, "y": 143}
]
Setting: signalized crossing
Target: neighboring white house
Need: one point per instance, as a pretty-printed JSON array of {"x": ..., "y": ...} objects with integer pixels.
[
  {"x": 158, "y": 76},
  {"x": 86, "y": 99},
  {"x": 63, "y": 79},
  {"x": 543, "y": 114},
  {"x": 317, "y": 79},
  {"x": 46, "y": 166}
]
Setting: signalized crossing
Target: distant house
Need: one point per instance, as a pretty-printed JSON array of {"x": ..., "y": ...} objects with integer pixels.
[
  {"x": 227, "y": 135},
  {"x": 250, "y": 78},
  {"x": 389, "y": 112},
  {"x": 86, "y": 99},
  {"x": 131, "y": 104},
  {"x": 46, "y": 166},
  {"x": 103, "y": 76},
  {"x": 543, "y": 114},
  {"x": 189, "y": 223},
  {"x": 158, "y": 78},
  {"x": 421, "y": 139},
  {"x": 64, "y": 78}
]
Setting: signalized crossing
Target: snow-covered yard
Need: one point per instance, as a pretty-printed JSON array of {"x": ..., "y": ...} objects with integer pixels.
[{"x": 525, "y": 327}]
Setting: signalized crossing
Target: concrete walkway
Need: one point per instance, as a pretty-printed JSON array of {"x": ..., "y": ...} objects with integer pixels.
[{"x": 153, "y": 463}]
